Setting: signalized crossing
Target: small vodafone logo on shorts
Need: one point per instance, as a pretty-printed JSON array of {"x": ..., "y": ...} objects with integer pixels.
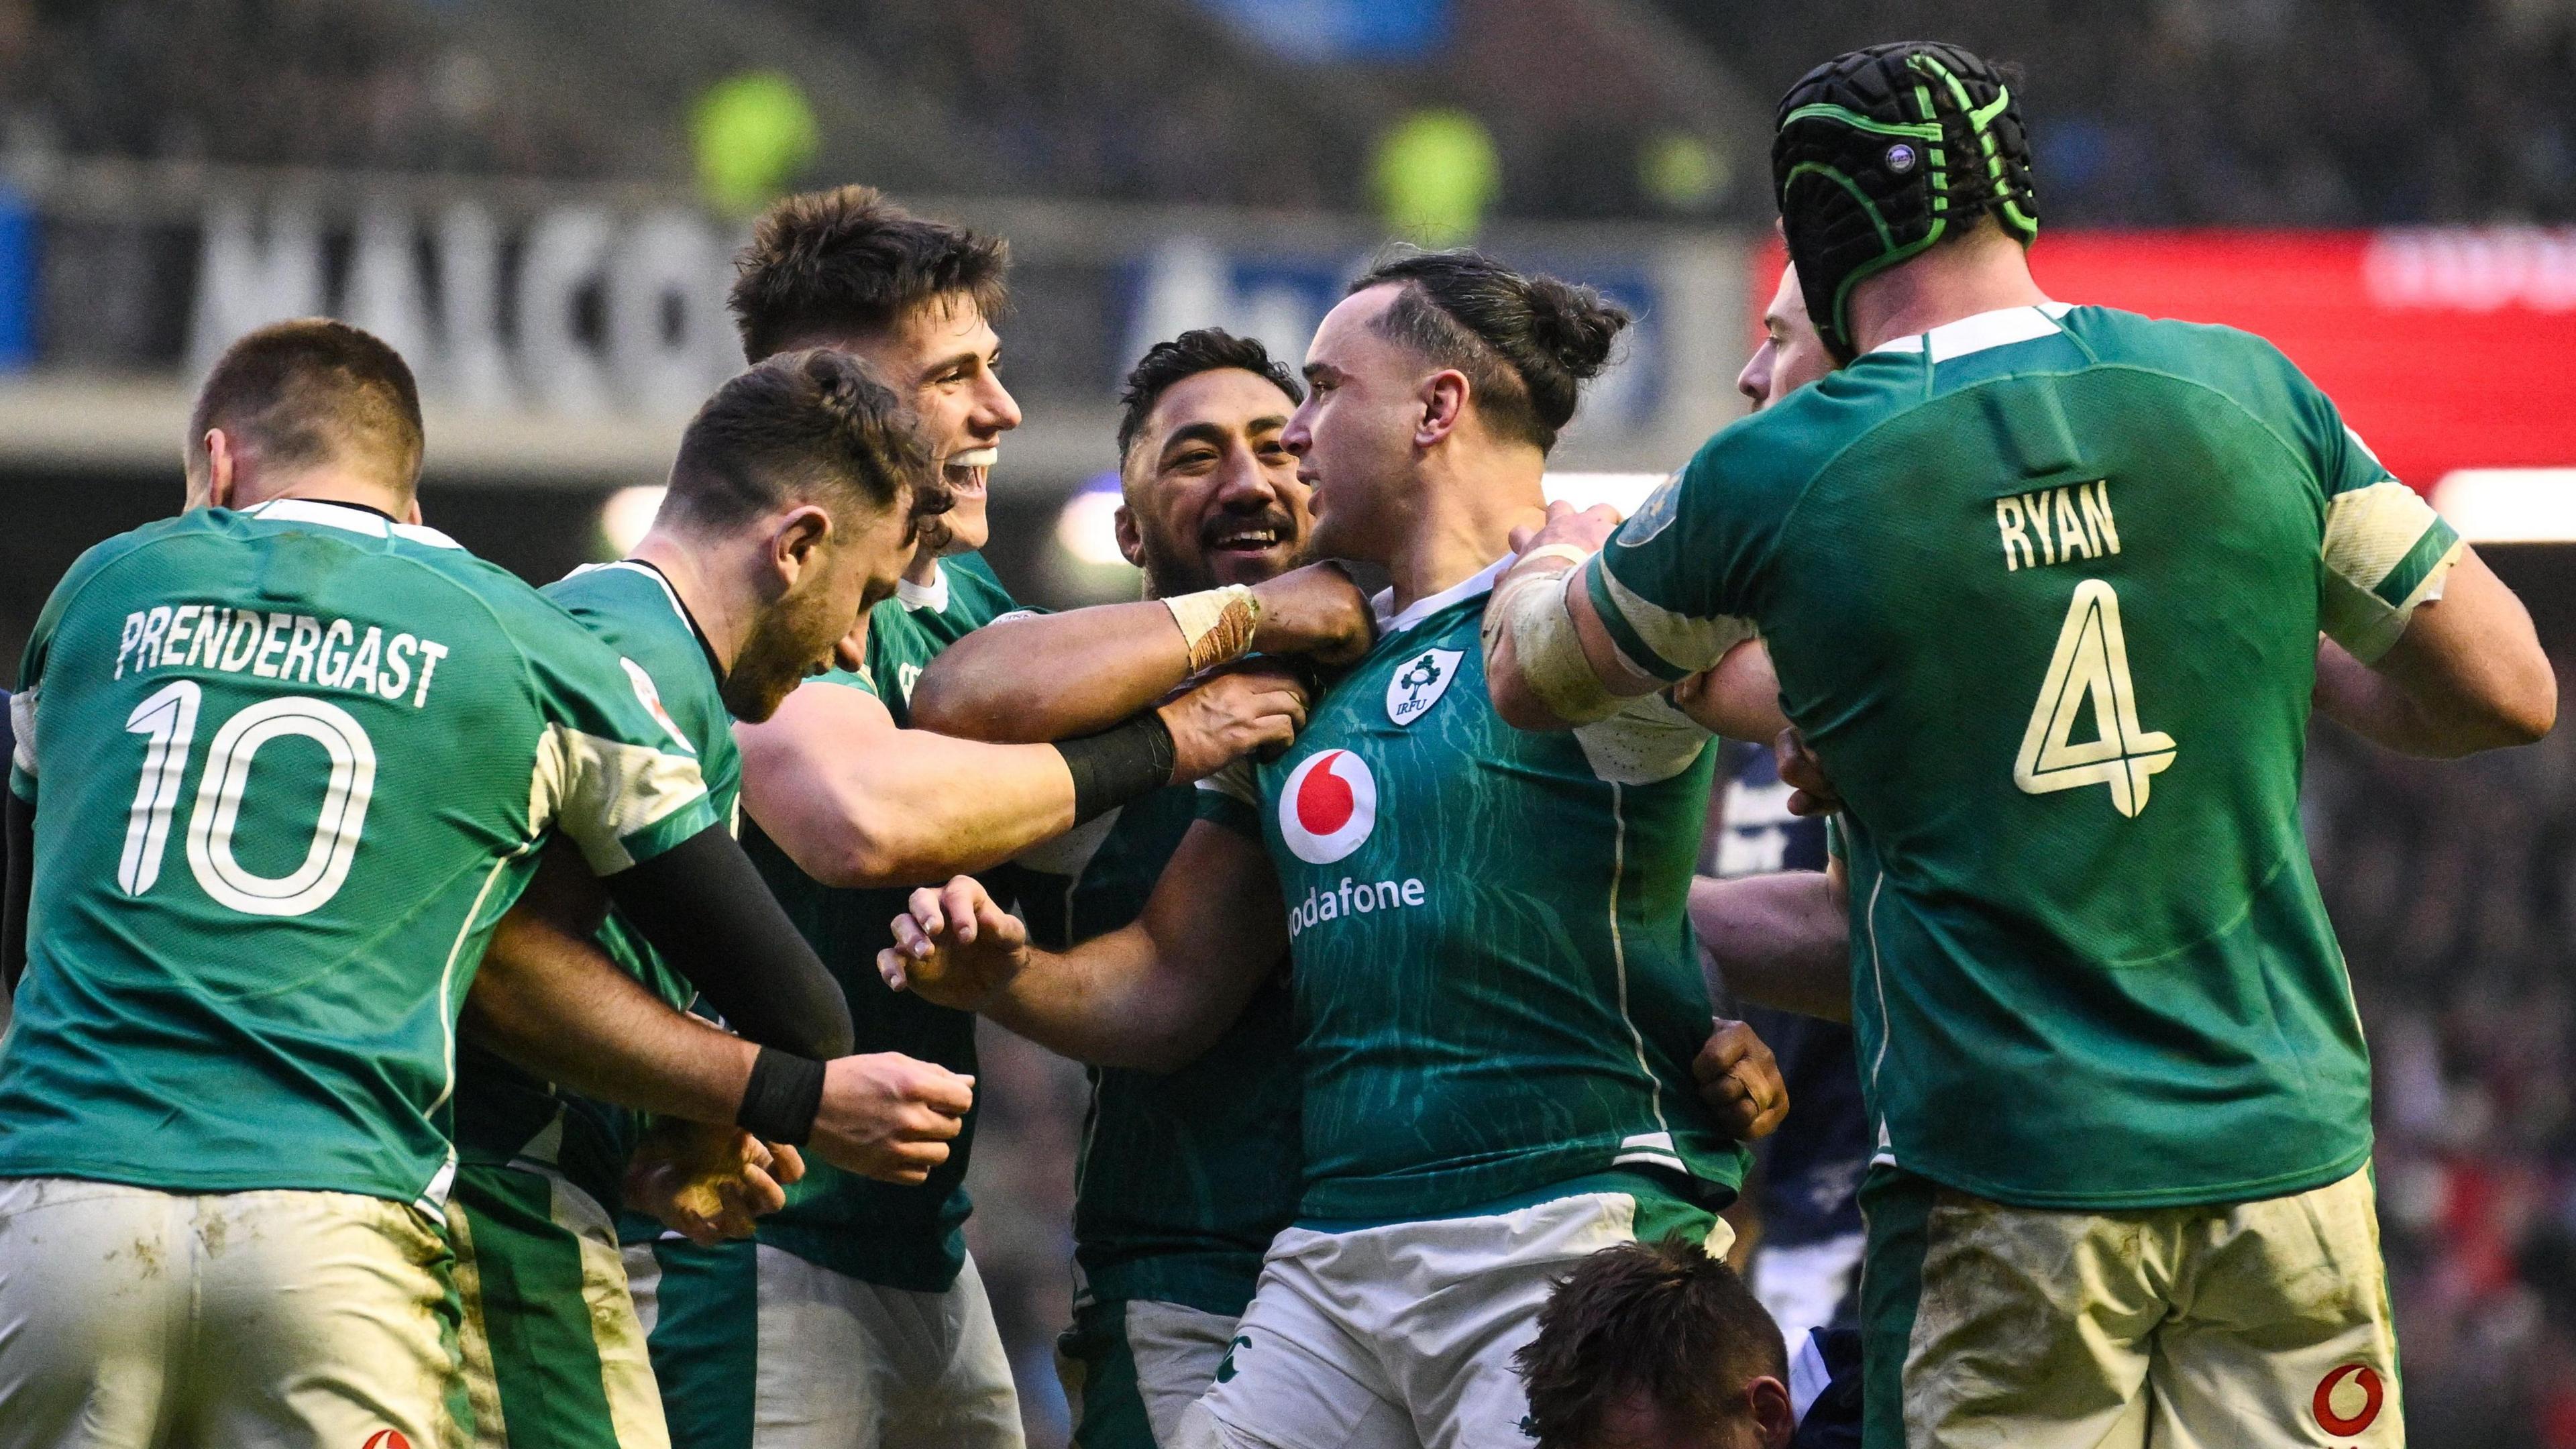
[
  {"x": 387, "y": 1439},
  {"x": 1328, "y": 807},
  {"x": 2353, "y": 1387}
]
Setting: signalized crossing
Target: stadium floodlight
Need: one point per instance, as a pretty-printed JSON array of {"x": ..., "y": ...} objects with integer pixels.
[
  {"x": 628, "y": 515},
  {"x": 2509, "y": 505},
  {"x": 1087, "y": 528}
]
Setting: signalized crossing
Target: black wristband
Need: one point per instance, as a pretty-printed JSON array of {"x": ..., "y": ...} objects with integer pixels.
[
  {"x": 1118, "y": 765},
  {"x": 780, "y": 1100}
]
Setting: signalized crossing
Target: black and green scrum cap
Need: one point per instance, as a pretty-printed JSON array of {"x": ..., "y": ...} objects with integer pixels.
[{"x": 1879, "y": 153}]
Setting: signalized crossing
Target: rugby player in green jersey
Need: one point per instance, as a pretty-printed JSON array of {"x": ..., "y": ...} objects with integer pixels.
[
  {"x": 1497, "y": 997},
  {"x": 814, "y": 1335},
  {"x": 224, "y": 1101},
  {"x": 2044, "y": 586},
  {"x": 1186, "y": 1176},
  {"x": 793, "y": 507}
]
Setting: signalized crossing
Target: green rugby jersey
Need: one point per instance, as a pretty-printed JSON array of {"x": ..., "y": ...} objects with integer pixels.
[
  {"x": 1186, "y": 1176},
  {"x": 502, "y": 1112},
  {"x": 294, "y": 762},
  {"x": 1494, "y": 973},
  {"x": 900, "y": 1237},
  {"x": 2043, "y": 588}
]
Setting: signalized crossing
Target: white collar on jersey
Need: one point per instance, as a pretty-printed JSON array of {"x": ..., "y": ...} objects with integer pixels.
[
  {"x": 1424, "y": 608},
  {"x": 932, "y": 596},
  {"x": 1986, "y": 329},
  {"x": 342, "y": 515}
]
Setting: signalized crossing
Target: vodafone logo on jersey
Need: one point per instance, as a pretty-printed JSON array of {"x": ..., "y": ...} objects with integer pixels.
[
  {"x": 1328, "y": 807},
  {"x": 2348, "y": 1399}
]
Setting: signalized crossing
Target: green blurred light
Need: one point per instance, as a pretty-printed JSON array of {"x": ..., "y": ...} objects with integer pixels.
[
  {"x": 753, "y": 134},
  {"x": 1436, "y": 173}
]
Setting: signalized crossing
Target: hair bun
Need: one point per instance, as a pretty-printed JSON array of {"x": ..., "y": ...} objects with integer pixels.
[{"x": 1574, "y": 325}]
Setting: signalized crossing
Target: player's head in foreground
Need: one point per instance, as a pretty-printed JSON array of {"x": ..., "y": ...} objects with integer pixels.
[
  {"x": 1791, "y": 354},
  {"x": 1656, "y": 1346},
  {"x": 1209, "y": 493},
  {"x": 307, "y": 407},
  {"x": 796, "y": 501},
  {"x": 1902, "y": 151},
  {"x": 849, "y": 269},
  {"x": 1440, "y": 382}
]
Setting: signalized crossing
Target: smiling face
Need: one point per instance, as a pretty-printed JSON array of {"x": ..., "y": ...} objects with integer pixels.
[
  {"x": 944, "y": 359},
  {"x": 1354, "y": 435},
  {"x": 1211, "y": 493}
]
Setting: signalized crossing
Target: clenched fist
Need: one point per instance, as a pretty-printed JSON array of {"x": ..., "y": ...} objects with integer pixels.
[
  {"x": 888, "y": 1116},
  {"x": 1315, "y": 611}
]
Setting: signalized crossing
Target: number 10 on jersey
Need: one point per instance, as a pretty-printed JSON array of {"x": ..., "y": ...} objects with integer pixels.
[
  {"x": 168, "y": 721},
  {"x": 2091, "y": 664}
]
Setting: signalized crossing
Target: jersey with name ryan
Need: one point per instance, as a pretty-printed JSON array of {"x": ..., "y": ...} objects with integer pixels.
[{"x": 2043, "y": 588}]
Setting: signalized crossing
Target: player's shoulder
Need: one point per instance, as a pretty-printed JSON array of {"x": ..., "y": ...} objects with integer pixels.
[
  {"x": 633, "y": 610},
  {"x": 2245, "y": 366}
]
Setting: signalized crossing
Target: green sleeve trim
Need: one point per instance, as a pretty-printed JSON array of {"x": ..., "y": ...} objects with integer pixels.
[
  {"x": 2408, "y": 575},
  {"x": 680, "y": 825},
  {"x": 1219, "y": 808},
  {"x": 1624, "y": 634}
]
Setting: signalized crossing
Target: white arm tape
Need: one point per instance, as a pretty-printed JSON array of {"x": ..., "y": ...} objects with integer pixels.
[{"x": 1547, "y": 647}]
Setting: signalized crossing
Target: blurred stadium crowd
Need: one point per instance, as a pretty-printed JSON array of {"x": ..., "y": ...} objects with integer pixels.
[
  {"x": 2176, "y": 112},
  {"x": 2454, "y": 884}
]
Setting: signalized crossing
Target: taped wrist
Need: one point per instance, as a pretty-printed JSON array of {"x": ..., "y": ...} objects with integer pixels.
[
  {"x": 1118, "y": 765},
  {"x": 1532, "y": 607},
  {"x": 781, "y": 1099},
  {"x": 1216, "y": 624}
]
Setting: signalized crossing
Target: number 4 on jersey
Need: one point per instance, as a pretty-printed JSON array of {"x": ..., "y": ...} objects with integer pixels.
[{"x": 2091, "y": 664}]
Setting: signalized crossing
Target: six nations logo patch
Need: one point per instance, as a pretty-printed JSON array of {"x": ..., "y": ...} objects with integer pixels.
[{"x": 1419, "y": 682}]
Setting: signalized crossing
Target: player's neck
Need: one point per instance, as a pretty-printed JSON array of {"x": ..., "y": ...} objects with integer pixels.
[
  {"x": 923, "y": 571},
  {"x": 1985, "y": 273},
  {"x": 1468, "y": 507},
  {"x": 722, "y": 613},
  {"x": 328, "y": 485}
]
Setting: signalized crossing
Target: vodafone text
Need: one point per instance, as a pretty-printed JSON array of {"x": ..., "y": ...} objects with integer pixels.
[{"x": 1352, "y": 898}]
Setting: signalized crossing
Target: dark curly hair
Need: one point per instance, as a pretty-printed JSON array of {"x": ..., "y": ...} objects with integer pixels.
[
  {"x": 1203, "y": 349},
  {"x": 850, "y": 260},
  {"x": 1526, "y": 342},
  {"x": 802, "y": 427},
  {"x": 1664, "y": 1320}
]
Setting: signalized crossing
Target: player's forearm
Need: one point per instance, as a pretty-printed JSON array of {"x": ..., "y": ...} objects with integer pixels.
[
  {"x": 1781, "y": 940},
  {"x": 1114, "y": 1001},
  {"x": 1053, "y": 676},
  {"x": 555, "y": 1005},
  {"x": 1550, "y": 663},
  {"x": 1738, "y": 697},
  {"x": 910, "y": 807}
]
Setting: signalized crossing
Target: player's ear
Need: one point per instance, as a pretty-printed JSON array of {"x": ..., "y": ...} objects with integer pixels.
[
  {"x": 1773, "y": 1420},
  {"x": 1131, "y": 544},
  {"x": 215, "y": 488},
  {"x": 797, "y": 540},
  {"x": 1443, "y": 396}
]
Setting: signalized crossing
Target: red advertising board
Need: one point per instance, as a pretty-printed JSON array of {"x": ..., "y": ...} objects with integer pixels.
[{"x": 2444, "y": 348}]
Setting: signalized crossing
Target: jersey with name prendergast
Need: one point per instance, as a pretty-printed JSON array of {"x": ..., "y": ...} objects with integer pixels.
[
  {"x": 290, "y": 764},
  {"x": 504, "y": 1114},
  {"x": 2043, "y": 587},
  {"x": 1495, "y": 980}
]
